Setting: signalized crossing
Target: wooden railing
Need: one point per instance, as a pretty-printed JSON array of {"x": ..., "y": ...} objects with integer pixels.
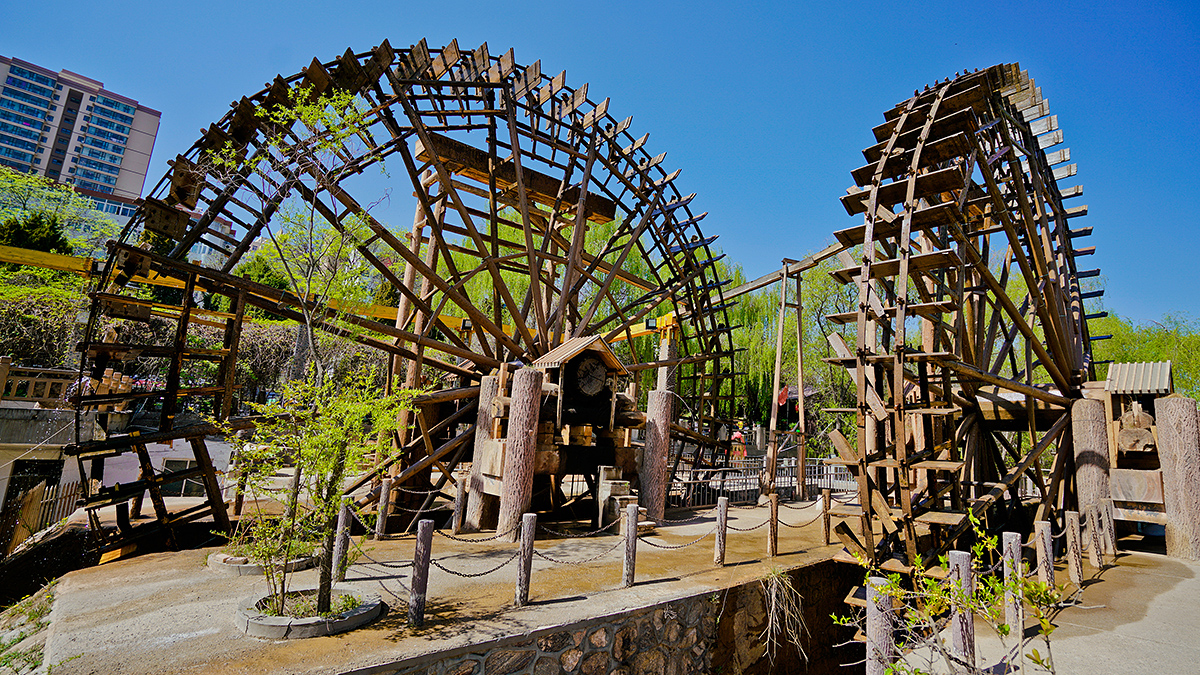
[
  {"x": 36, "y": 510},
  {"x": 49, "y": 387}
]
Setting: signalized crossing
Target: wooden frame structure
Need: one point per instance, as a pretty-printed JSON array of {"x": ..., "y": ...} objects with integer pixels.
[
  {"x": 970, "y": 340},
  {"x": 510, "y": 168}
]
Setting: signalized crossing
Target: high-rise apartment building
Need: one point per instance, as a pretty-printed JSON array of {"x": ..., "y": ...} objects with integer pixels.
[{"x": 70, "y": 128}]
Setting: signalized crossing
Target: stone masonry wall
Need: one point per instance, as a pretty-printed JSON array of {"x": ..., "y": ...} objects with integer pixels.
[
  {"x": 705, "y": 633},
  {"x": 673, "y": 638}
]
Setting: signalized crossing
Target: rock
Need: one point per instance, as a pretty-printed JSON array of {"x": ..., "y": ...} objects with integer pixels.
[
  {"x": 569, "y": 659},
  {"x": 595, "y": 664},
  {"x": 674, "y": 630},
  {"x": 577, "y": 636},
  {"x": 546, "y": 666},
  {"x": 649, "y": 663},
  {"x": 625, "y": 642},
  {"x": 660, "y": 619},
  {"x": 689, "y": 638},
  {"x": 465, "y": 667},
  {"x": 554, "y": 642},
  {"x": 599, "y": 638},
  {"x": 507, "y": 661}
]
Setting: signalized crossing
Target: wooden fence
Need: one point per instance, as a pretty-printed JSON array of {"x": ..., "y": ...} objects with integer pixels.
[{"x": 36, "y": 509}]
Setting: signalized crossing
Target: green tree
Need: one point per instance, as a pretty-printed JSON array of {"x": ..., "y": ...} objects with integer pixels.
[
  {"x": 37, "y": 231},
  {"x": 26, "y": 196}
]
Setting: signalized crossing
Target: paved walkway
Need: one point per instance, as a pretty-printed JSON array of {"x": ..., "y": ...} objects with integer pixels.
[{"x": 167, "y": 613}]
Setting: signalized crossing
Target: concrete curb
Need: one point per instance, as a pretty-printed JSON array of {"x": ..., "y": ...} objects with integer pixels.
[
  {"x": 251, "y": 621},
  {"x": 216, "y": 563}
]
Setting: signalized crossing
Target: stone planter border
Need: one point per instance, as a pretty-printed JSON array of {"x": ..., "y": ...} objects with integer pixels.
[
  {"x": 216, "y": 563},
  {"x": 251, "y": 621}
]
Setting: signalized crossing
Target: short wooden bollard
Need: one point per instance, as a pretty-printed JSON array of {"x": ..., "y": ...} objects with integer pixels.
[
  {"x": 773, "y": 527},
  {"x": 516, "y": 490},
  {"x": 1014, "y": 611},
  {"x": 1044, "y": 541},
  {"x": 881, "y": 650},
  {"x": 1074, "y": 549},
  {"x": 460, "y": 508},
  {"x": 1095, "y": 544},
  {"x": 525, "y": 568},
  {"x": 722, "y": 522},
  {"x": 420, "y": 573},
  {"x": 631, "y": 523},
  {"x": 1110, "y": 527},
  {"x": 341, "y": 540},
  {"x": 962, "y": 621},
  {"x": 826, "y": 502},
  {"x": 385, "y": 508}
]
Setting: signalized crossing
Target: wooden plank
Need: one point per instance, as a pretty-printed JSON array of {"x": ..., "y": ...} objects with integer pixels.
[{"x": 888, "y": 268}]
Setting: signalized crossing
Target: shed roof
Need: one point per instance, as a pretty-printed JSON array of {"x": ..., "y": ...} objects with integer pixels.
[
  {"x": 556, "y": 357},
  {"x": 1140, "y": 378}
]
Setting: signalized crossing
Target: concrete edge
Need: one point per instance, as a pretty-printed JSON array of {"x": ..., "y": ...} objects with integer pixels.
[
  {"x": 254, "y": 623},
  {"x": 216, "y": 563}
]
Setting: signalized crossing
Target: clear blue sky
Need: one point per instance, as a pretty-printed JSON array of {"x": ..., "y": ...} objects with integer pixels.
[{"x": 765, "y": 108}]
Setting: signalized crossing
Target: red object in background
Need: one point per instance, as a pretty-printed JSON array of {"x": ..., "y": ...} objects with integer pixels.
[{"x": 783, "y": 395}]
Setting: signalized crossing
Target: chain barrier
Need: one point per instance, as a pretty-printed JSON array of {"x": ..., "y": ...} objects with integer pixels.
[
  {"x": 483, "y": 539},
  {"x": 679, "y": 546},
  {"x": 1060, "y": 535},
  {"x": 473, "y": 575},
  {"x": 814, "y": 519},
  {"x": 568, "y": 535},
  {"x": 440, "y": 508},
  {"x": 797, "y": 508},
  {"x": 748, "y": 529},
  {"x": 415, "y": 492},
  {"x": 594, "y": 558},
  {"x": 981, "y": 571}
]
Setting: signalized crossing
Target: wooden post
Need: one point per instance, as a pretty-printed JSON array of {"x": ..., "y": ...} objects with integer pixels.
[
  {"x": 773, "y": 433},
  {"x": 525, "y": 566},
  {"x": 481, "y": 507},
  {"x": 1095, "y": 546},
  {"x": 341, "y": 540},
  {"x": 722, "y": 522},
  {"x": 460, "y": 507},
  {"x": 667, "y": 351},
  {"x": 773, "y": 527},
  {"x": 1013, "y": 572},
  {"x": 631, "y": 521},
  {"x": 653, "y": 470},
  {"x": 1074, "y": 549},
  {"x": 517, "y": 489},
  {"x": 881, "y": 650},
  {"x": 1045, "y": 551},
  {"x": 1179, "y": 457},
  {"x": 420, "y": 573},
  {"x": 385, "y": 507},
  {"x": 1110, "y": 528},
  {"x": 826, "y": 497},
  {"x": 962, "y": 621},
  {"x": 1089, "y": 433},
  {"x": 802, "y": 435}
]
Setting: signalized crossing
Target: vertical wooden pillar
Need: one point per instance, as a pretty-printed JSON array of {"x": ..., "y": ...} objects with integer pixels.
[
  {"x": 826, "y": 499},
  {"x": 881, "y": 649},
  {"x": 420, "y": 573},
  {"x": 1179, "y": 457},
  {"x": 212, "y": 487},
  {"x": 722, "y": 522},
  {"x": 1013, "y": 572},
  {"x": 962, "y": 620},
  {"x": 1074, "y": 549},
  {"x": 525, "y": 563},
  {"x": 460, "y": 506},
  {"x": 668, "y": 349},
  {"x": 772, "y": 459},
  {"x": 482, "y": 507},
  {"x": 385, "y": 507},
  {"x": 773, "y": 526},
  {"x": 1095, "y": 543},
  {"x": 520, "y": 446},
  {"x": 631, "y": 534},
  {"x": 653, "y": 470},
  {"x": 1089, "y": 433},
  {"x": 1044, "y": 541},
  {"x": 802, "y": 429}
]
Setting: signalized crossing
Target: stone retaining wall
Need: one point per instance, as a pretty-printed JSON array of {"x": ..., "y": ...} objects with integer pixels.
[{"x": 705, "y": 633}]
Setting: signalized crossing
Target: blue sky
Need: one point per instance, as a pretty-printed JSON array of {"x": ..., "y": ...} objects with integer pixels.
[{"x": 765, "y": 107}]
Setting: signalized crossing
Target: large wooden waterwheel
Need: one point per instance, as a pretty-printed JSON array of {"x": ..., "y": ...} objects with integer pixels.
[
  {"x": 510, "y": 169},
  {"x": 970, "y": 341}
]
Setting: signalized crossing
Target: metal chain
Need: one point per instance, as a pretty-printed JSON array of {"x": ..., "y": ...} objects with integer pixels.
[
  {"x": 473, "y": 541},
  {"x": 440, "y": 508},
  {"x": 796, "y": 508},
  {"x": 472, "y": 575},
  {"x": 993, "y": 568},
  {"x": 568, "y": 535},
  {"x": 414, "y": 492},
  {"x": 781, "y": 522},
  {"x": 679, "y": 546},
  {"x": 747, "y": 529},
  {"x": 578, "y": 562}
]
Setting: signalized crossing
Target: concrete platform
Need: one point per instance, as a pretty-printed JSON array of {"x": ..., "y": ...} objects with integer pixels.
[
  {"x": 166, "y": 612},
  {"x": 1139, "y": 616}
]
